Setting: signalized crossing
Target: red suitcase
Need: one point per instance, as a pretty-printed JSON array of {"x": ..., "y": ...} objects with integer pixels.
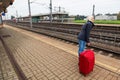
[{"x": 86, "y": 62}]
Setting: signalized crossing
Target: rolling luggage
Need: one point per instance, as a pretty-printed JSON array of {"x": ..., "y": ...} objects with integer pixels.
[{"x": 86, "y": 62}]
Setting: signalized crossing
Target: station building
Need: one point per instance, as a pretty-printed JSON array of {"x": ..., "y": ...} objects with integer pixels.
[{"x": 56, "y": 17}]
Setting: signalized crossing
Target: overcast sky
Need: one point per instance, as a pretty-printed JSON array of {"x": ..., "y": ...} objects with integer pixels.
[{"x": 73, "y": 7}]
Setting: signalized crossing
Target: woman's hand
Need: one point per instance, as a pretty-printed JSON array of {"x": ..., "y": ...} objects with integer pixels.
[{"x": 88, "y": 44}]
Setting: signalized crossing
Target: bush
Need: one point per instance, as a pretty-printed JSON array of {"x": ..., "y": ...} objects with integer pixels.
[{"x": 100, "y": 21}]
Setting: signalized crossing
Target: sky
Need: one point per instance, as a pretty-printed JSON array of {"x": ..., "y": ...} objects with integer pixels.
[{"x": 73, "y": 7}]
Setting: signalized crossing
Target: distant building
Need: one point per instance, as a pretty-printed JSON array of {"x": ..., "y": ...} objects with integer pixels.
[
  {"x": 106, "y": 17},
  {"x": 56, "y": 17}
]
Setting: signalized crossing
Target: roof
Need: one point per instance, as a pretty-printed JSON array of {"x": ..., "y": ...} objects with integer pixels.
[
  {"x": 4, "y": 4},
  {"x": 56, "y": 13}
]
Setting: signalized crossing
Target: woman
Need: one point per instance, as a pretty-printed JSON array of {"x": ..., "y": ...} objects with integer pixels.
[{"x": 84, "y": 35}]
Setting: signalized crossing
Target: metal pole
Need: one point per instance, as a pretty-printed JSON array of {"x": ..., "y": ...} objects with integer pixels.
[
  {"x": 30, "y": 17},
  {"x": 50, "y": 11},
  {"x": 62, "y": 18},
  {"x": 93, "y": 13},
  {"x": 59, "y": 9},
  {"x": 17, "y": 16}
]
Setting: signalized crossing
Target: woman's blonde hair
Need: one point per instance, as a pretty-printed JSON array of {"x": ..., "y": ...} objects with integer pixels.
[{"x": 90, "y": 18}]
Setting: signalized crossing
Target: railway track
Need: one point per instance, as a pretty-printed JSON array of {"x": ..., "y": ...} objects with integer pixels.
[{"x": 105, "y": 38}]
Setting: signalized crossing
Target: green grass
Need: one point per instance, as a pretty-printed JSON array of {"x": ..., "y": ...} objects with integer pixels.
[{"x": 100, "y": 21}]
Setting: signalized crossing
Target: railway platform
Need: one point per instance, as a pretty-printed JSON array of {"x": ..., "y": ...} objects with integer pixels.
[{"x": 45, "y": 58}]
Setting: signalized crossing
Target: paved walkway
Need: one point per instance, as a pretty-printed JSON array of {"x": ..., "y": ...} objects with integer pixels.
[
  {"x": 6, "y": 70},
  {"x": 106, "y": 61},
  {"x": 40, "y": 60}
]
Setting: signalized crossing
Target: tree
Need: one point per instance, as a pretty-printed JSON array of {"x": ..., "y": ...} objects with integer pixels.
[
  {"x": 118, "y": 16},
  {"x": 82, "y": 17},
  {"x": 114, "y": 14},
  {"x": 77, "y": 17},
  {"x": 108, "y": 14},
  {"x": 12, "y": 17},
  {"x": 99, "y": 14}
]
